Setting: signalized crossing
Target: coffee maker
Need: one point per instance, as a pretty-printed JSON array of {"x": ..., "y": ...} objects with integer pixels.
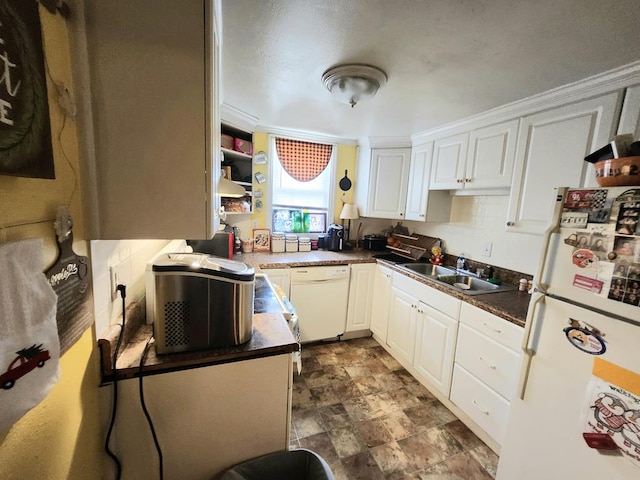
[{"x": 335, "y": 238}]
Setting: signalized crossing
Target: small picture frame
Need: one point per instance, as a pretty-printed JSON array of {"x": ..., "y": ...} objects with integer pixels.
[{"x": 262, "y": 239}]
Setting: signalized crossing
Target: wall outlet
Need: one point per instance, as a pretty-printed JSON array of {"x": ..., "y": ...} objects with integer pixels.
[
  {"x": 115, "y": 278},
  {"x": 486, "y": 249}
]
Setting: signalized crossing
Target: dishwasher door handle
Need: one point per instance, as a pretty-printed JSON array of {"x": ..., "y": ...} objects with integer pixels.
[{"x": 324, "y": 280}]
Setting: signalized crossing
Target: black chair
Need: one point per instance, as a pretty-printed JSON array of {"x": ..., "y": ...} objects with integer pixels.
[{"x": 297, "y": 464}]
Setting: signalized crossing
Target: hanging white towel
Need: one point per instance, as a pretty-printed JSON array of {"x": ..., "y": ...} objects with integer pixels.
[{"x": 29, "y": 346}]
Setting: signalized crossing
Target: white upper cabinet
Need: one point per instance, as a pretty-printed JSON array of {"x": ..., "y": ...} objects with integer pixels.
[
  {"x": 482, "y": 158},
  {"x": 418, "y": 192},
  {"x": 630, "y": 117},
  {"x": 550, "y": 153},
  {"x": 449, "y": 157},
  {"x": 424, "y": 204},
  {"x": 151, "y": 117},
  {"x": 491, "y": 156},
  {"x": 386, "y": 177}
]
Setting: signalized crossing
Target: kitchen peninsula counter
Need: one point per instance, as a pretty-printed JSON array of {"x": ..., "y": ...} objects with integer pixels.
[{"x": 271, "y": 336}]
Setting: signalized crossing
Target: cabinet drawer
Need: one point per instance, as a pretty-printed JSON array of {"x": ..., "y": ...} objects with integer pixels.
[
  {"x": 492, "y": 363},
  {"x": 485, "y": 407},
  {"x": 434, "y": 298},
  {"x": 492, "y": 326}
]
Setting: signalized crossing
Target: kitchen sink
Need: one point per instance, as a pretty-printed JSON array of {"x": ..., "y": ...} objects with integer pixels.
[
  {"x": 468, "y": 284},
  {"x": 427, "y": 269}
]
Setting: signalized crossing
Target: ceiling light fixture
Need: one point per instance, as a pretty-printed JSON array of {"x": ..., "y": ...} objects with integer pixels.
[{"x": 354, "y": 82}]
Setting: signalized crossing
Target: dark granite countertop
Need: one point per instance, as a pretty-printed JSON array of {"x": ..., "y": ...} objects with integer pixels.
[
  {"x": 271, "y": 334},
  {"x": 510, "y": 305}
]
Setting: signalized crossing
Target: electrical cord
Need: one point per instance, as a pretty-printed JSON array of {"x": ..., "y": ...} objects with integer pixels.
[
  {"x": 146, "y": 412},
  {"x": 123, "y": 293}
]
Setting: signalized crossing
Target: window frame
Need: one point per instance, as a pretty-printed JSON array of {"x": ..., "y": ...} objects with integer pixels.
[{"x": 333, "y": 168}]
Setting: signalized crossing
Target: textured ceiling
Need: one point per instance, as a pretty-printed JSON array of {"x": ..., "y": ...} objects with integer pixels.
[{"x": 445, "y": 59}]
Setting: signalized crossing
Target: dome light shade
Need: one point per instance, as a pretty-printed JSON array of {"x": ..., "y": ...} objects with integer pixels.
[{"x": 352, "y": 83}]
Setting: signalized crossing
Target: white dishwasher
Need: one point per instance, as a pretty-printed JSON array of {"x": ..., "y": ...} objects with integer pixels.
[{"x": 320, "y": 296}]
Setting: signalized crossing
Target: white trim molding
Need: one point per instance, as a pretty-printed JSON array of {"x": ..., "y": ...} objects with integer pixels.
[
  {"x": 237, "y": 118},
  {"x": 617, "y": 78}
]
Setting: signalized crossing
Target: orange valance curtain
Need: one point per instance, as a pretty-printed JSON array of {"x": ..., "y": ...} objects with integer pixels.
[{"x": 304, "y": 161}]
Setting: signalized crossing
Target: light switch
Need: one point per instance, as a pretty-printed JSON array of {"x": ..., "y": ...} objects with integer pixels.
[{"x": 486, "y": 249}]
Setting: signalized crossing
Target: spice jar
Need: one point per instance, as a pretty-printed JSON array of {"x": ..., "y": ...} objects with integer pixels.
[{"x": 522, "y": 286}]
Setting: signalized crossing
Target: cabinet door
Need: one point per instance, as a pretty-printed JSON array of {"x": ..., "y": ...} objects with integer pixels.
[
  {"x": 449, "y": 156},
  {"x": 435, "y": 347},
  {"x": 388, "y": 182},
  {"x": 280, "y": 277},
  {"x": 152, "y": 117},
  {"x": 401, "y": 333},
  {"x": 360, "y": 297},
  {"x": 418, "y": 192},
  {"x": 380, "y": 302},
  {"x": 630, "y": 117},
  {"x": 550, "y": 153},
  {"x": 492, "y": 152}
]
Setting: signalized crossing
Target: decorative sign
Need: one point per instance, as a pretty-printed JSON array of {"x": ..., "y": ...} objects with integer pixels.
[
  {"x": 70, "y": 278},
  {"x": 25, "y": 132},
  {"x": 612, "y": 407}
]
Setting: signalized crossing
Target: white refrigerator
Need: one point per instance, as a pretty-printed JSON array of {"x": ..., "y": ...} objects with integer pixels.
[{"x": 580, "y": 375}]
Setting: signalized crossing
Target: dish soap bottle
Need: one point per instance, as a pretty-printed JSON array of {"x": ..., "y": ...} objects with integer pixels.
[{"x": 460, "y": 262}]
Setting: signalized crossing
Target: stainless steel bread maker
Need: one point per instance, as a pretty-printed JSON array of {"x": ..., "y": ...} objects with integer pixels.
[{"x": 200, "y": 302}]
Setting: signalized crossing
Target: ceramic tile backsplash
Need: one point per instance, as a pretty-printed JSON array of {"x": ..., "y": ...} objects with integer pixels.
[
  {"x": 130, "y": 258},
  {"x": 478, "y": 219}
]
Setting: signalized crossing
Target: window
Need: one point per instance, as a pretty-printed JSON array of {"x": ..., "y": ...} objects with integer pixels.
[{"x": 302, "y": 185}]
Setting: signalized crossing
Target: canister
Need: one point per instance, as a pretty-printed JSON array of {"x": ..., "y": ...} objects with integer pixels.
[
  {"x": 277, "y": 242},
  {"x": 291, "y": 243},
  {"x": 304, "y": 244}
]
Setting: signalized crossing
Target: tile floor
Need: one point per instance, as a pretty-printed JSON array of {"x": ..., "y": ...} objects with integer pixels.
[{"x": 370, "y": 419}]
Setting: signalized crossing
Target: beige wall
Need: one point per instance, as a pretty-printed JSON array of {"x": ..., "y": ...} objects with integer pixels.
[{"x": 61, "y": 437}]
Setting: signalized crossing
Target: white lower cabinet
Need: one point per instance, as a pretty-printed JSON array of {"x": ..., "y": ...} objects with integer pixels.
[
  {"x": 361, "y": 283},
  {"x": 403, "y": 316},
  {"x": 486, "y": 369},
  {"x": 435, "y": 347},
  {"x": 280, "y": 277},
  {"x": 482, "y": 404},
  {"x": 467, "y": 357},
  {"x": 380, "y": 302}
]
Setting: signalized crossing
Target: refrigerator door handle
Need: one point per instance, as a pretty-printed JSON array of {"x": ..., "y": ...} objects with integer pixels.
[{"x": 527, "y": 349}]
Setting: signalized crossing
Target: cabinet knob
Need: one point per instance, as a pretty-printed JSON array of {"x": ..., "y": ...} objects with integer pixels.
[
  {"x": 510, "y": 224},
  {"x": 467, "y": 180},
  {"x": 401, "y": 214},
  {"x": 422, "y": 214},
  {"x": 458, "y": 180}
]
